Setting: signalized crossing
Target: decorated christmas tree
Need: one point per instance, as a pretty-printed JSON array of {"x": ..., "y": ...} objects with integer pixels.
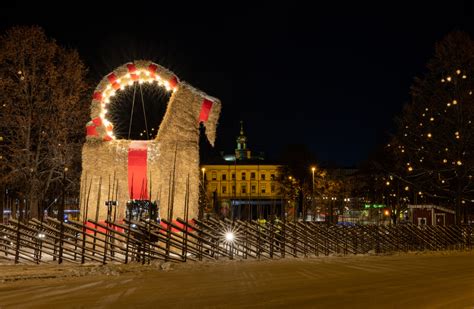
[{"x": 434, "y": 144}]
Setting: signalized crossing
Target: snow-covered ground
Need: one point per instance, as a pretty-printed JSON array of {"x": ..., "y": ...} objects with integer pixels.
[{"x": 413, "y": 280}]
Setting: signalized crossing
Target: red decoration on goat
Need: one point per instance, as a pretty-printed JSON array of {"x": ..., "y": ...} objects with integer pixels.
[
  {"x": 97, "y": 96},
  {"x": 112, "y": 78},
  {"x": 97, "y": 121},
  {"x": 137, "y": 170},
  {"x": 173, "y": 82},
  {"x": 205, "y": 110},
  {"x": 152, "y": 68},
  {"x": 131, "y": 68},
  {"x": 91, "y": 130}
]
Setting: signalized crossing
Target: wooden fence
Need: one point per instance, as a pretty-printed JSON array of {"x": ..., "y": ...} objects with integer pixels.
[{"x": 52, "y": 241}]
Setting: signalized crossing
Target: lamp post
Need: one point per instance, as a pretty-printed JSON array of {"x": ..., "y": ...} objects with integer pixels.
[
  {"x": 290, "y": 178},
  {"x": 203, "y": 170},
  {"x": 61, "y": 217},
  {"x": 202, "y": 193},
  {"x": 312, "y": 191}
]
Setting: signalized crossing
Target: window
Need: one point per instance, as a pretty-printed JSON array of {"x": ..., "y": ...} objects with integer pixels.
[
  {"x": 244, "y": 175},
  {"x": 252, "y": 175},
  {"x": 224, "y": 189},
  {"x": 233, "y": 176},
  {"x": 254, "y": 189},
  {"x": 214, "y": 176},
  {"x": 272, "y": 176},
  {"x": 262, "y": 176},
  {"x": 262, "y": 187},
  {"x": 233, "y": 189},
  {"x": 243, "y": 189},
  {"x": 272, "y": 188},
  {"x": 224, "y": 177}
]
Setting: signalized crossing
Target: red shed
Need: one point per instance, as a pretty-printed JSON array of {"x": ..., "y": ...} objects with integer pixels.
[{"x": 431, "y": 215}]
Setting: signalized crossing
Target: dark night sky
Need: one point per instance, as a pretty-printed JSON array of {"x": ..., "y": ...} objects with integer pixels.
[{"x": 330, "y": 76}]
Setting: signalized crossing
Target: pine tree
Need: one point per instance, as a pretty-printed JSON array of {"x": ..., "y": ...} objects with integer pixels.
[{"x": 435, "y": 138}]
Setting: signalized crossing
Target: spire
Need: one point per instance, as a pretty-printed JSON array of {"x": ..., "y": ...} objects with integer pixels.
[{"x": 241, "y": 151}]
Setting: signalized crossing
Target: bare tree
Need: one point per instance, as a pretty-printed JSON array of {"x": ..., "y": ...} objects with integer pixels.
[{"x": 43, "y": 111}]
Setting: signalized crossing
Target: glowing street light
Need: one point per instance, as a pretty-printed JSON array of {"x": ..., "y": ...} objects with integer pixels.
[{"x": 229, "y": 236}]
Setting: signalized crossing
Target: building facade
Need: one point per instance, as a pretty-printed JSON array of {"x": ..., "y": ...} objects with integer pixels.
[
  {"x": 432, "y": 215},
  {"x": 242, "y": 186}
]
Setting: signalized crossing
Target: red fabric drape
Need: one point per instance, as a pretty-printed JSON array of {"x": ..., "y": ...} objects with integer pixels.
[
  {"x": 205, "y": 110},
  {"x": 137, "y": 170}
]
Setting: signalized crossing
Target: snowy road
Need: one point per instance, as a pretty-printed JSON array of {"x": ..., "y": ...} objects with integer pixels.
[{"x": 437, "y": 280}]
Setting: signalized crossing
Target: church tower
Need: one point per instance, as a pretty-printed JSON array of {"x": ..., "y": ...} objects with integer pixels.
[{"x": 241, "y": 152}]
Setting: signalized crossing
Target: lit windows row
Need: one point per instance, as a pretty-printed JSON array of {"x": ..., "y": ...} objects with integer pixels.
[
  {"x": 244, "y": 190},
  {"x": 243, "y": 176}
]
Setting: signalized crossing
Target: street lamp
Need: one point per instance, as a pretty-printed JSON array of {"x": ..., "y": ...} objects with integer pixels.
[
  {"x": 312, "y": 191},
  {"x": 203, "y": 170},
  {"x": 229, "y": 236}
]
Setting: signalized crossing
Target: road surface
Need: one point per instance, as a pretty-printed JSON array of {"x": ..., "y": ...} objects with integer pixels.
[{"x": 434, "y": 280}]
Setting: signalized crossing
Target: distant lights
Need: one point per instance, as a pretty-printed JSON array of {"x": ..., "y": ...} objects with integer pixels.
[
  {"x": 458, "y": 72},
  {"x": 429, "y": 135},
  {"x": 448, "y": 78},
  {"x": 459, "y": 162},
  {"x": 410, "y": 169}
]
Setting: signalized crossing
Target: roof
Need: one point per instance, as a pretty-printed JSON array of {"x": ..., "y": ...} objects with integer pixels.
[
  {"x": 432, "y": 206},
  {"x": 221, "y": 161}
]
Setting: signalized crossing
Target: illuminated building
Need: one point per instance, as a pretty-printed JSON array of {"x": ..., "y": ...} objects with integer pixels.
[{"x": 242, "y": 185}]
